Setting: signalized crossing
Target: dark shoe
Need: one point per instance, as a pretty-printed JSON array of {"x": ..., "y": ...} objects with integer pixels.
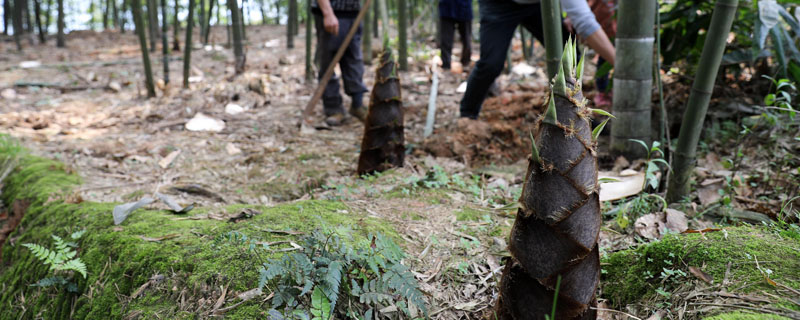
[
  {"x": 335, "y": 120},
  {"x": 359, "y": 113}
]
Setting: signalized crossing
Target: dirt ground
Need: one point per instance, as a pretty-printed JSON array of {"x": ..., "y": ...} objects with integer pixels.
[{"x": 85, "y": 105}]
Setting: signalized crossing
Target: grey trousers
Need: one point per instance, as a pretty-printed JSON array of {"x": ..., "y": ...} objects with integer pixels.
[{"x": 351, "y": 64}]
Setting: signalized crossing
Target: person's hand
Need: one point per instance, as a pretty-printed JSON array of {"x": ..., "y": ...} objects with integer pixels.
[{"x": 331, "y": 23}]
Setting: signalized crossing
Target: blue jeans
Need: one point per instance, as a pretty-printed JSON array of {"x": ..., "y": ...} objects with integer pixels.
[
  {"x": 499, "y": 19},
  {"x": 351, "y": 64}
]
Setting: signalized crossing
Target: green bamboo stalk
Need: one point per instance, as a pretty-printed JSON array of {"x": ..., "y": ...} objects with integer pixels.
[
  {"x": 713, "y": 48},
  {"x": 136, "y": 9},
  {"x": 384, "y": 24},
  {"x": 551, "y": 26},
  {"x": 207, "y": 29},
  {"x": 176, "y": 27},
  {"x": 309, "y": 70},
  {"x": 152, "y": 16},
  {"x": 236, "y": 25},
  {"x": 633, "y": 77},
  {"x": 17, "y": 22},
  {"x": 164, "y": 40},
  {"x": 187, "y": 50},
  {"x": 289, "y": 24},
  {"x": 402, "y": 28},
  {"x": 201, "y": 14},
  {"x": 60, "y": 35},
  {"x": 366, "y": 37}
]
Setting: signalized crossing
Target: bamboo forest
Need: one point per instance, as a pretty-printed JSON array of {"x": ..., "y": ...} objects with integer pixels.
[{"x": 400, "y": 159}]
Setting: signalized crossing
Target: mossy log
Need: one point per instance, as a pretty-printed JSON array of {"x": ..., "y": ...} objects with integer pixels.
[
  {"x": 383, "y": 144},
  {"x": 122, "y": 259}
]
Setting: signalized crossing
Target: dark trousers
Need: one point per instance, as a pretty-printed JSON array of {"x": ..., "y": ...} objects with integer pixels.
[
  {"x": 351, "y": 64},
  {"x": 499, "y": 20},
  {"x": 448, "y": 27}
]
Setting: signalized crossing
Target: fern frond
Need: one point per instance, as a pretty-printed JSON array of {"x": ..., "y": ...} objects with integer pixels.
[
  {"x": 39, "y": 252},
  {"x": 50, "y": 281},
  {"x": 75, "y": 265},
  {"x": 77, "y": 234}
]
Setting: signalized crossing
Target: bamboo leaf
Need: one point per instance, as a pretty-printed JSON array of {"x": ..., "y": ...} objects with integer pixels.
[
  {"x": 550, "y": 114},
  {"x": 534, "y": 150},
  {"x": 599, "y": 128},
  {"x": 607, "y": 180},
  {"x": 603, "y": 113},
  {"x": 579, "y": 72},
  {"x": 567, "y": 57}
]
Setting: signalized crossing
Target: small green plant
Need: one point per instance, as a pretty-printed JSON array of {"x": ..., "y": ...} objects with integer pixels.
[
  {"x": 63, "y": 261},
  {"x": 781, "y": 100},
  {"x": 645, "y": 203},
  {"x": 331, "y": 278}
]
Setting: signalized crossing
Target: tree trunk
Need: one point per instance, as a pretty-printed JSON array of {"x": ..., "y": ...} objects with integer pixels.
[
  {"x": 366, "y": 37},
  {"x": 383, "y": 144},
  {"x": 201, "y": 14},
  {"x": 152, "y": 16},
  {"x": 17, "y": 21},
  {"x": 243, "y": 22},
  {"x": 123, "y": 18},
  {"x": 164, "y": 40},
  {"x": 138, "y": 20},
  {"x": 384, "y": 10},
  {"x": 187, "y": 52},
  {"x": 207, "y": 28},
  {"x": 60, "y": 35},
  {"x": 555, "y": 265},
  {"x": 633, "y": 77},
  {"x": 228, "y": 25},
  {"x": 551, "y": 26},
  {"x": 309, "y": 69},
  {"x": 28, "y": 20},
  {"x": 402, "y": 28},
  {"x": 713, "y": 48},
  {"x": 115, "y": 13},
  {"x": 263, "y": 13},
  {"x": 290, "y": 20},
  {"x": 91, "y": 15},
  {"x": 38, "y": 13},
  {"x": 375, "y": 16},
  {"x": 47, "y": 13},
  {"x": 236, "y": 24},
  {"x": 6, "y": 15},
  {"x": 176, "y": 27},
  {"x": 106, "y": 13}
]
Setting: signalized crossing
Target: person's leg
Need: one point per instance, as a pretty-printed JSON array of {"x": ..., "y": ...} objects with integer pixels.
[
  {"x": 327, "y": 46},
  {"x": 446, "y": 44},
  {"x": 465, "y": 32},
  {"x": 352, "y": 65},
  {"x": 499, "y": 19}
]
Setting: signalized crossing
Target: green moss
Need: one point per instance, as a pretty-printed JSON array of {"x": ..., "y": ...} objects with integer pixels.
[
  {"x": 469, "y": 214},
  {"x": 745, "y": 316},
  {"x": 633, "y": 275},
  {"x": 120, "y": 260}
]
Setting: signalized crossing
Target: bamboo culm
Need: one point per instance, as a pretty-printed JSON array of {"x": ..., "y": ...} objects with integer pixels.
[
  {"x": 697, "y": 106},
  {"x": 633, "y": 78},
  {"x": 136, "y": 9},
  {"x": 551, "y": 26},
  {"x": 187, "y": 51}
]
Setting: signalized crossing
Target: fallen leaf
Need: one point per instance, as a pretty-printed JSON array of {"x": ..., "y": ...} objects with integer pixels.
[
  {"x": 648, "y": 226},
  {"x": 700, "y": 274},
  {"x": 202, "y": 122},
  {"x": 466, "y": 306},
  {"x": 245, "y": 213},
  {"x": 122, "y": 211},
  {"x": 676, "y": 220},
  {"x": 701, "y": 231},
  {"x": 172, "y": 204},
  {"x": 166, "y": 161},
  {"x": 250, "y": 294},
  {"x": 232, "y": 149},
  {"x": 162, "y": 238},
  {"x": 233, "y": 109}
]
